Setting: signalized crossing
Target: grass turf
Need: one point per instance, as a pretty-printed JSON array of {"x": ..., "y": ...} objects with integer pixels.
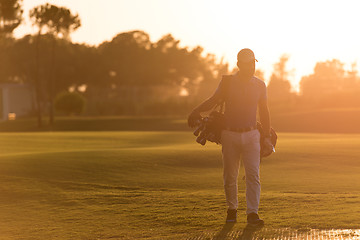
[{"x": 162, "y": 185}]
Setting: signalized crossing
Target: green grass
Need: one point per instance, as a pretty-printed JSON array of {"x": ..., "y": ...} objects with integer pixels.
[{"x": 162, "y": 185}]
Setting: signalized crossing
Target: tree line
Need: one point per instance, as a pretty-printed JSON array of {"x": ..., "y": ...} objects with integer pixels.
[
  {"x": 328, "y": 86},
  {"x": 131, "y": 75}
]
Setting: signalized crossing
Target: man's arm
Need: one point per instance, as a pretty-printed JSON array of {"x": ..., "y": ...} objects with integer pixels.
[
  {"x": 207, "y": 104},
  {"x": 264, "y": 117},
  {"x": 203, "y": 107}
]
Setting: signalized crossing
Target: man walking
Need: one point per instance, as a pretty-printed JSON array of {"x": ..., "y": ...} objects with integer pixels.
[{"x": 243, "y": 94}]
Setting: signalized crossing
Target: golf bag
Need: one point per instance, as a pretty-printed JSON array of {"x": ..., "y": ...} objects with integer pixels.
[
  {"x": 273, "y": 138},
  {"x": 210, "y": 127}
]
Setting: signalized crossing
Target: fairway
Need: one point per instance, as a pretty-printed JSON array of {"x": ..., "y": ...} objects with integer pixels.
[{"x": 163, "y": 185}]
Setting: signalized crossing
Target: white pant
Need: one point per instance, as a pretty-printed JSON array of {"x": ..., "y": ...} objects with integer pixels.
[{"x": 234, "y": 147}]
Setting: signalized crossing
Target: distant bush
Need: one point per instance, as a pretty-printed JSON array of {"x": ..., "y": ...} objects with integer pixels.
[{"x": 70, "y": 103}]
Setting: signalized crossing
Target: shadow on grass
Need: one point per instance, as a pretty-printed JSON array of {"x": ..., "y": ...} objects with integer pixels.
[
  {"x": 229, "y": 232},
  {"x": 248, "y": 232},
  {"x": 224, "y": 231}
]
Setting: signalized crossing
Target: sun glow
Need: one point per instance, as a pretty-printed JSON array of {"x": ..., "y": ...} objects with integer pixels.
[
  {"x": 309, "y": 31},
  {"x": 184, "y": 92}
]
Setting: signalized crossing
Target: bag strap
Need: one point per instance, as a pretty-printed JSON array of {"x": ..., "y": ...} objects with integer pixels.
[{"x": 225, "y": 85}]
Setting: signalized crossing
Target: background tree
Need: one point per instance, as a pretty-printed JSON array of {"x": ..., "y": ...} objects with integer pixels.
[
  {"x": 5, "y": 65},
  {"x": 77, "y": 64},
  {"x": 259, "y": 74},
  {"x": 127, "y": 73},
  {"x": 10, "y": 16},
  {"x": 279, "y": 85},
  {"x": 352, "y": 79},
  {"x": 144, "y": 76},
  {"x": 59, "y": 22},
  {"x": 70, "y": 103},
  {"x": 327, "y": 78},
  {"x": 331, "y": 86}
]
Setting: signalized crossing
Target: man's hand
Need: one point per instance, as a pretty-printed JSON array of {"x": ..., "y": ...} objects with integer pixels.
[{"x": 193, "y": 119}]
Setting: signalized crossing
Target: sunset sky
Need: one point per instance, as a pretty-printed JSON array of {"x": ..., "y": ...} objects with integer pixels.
[{"x": 308, "y": 30}]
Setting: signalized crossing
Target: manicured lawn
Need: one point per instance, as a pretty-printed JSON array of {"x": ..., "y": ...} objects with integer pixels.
[{"x": 163, "y": 185}]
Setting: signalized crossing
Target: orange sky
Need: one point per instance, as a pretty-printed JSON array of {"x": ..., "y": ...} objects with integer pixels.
[{"x": 308, "y": 30}]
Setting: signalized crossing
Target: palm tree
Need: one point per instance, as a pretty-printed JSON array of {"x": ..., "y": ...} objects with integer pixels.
[
  {"x": 59, "y": 22},
  {"x": 10, "y": 16}
]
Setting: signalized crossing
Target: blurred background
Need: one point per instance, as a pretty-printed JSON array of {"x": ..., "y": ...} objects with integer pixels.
[
  {"x": 95, "y": 65},
  {"x": 94, "y": 97}
]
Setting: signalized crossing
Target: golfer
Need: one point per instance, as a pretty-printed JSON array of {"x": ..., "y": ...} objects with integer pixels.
[{"x": 243, "y": 94}]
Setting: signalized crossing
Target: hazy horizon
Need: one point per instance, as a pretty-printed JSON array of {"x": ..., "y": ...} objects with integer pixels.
[{"x": 307, "y": 31}]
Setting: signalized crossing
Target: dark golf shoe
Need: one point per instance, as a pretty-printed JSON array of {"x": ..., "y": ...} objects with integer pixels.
[
  {"x": 253, "y": 220},
  {"x": 231, "y": 216}
]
